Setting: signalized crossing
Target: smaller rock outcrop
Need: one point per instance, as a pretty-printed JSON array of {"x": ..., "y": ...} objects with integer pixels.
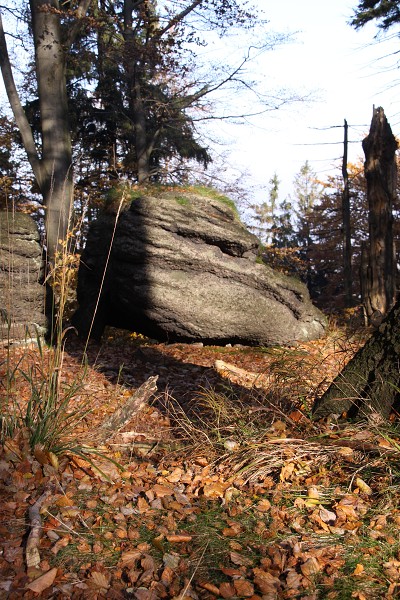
[
  {"x": 182, "y": 267},
  {"x": 22, "y": 296}
]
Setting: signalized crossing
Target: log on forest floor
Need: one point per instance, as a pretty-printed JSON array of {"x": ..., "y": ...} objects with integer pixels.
[{"x": 246, "y": 378}]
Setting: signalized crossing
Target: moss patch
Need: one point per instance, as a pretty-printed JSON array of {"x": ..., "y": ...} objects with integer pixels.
[{"x": 126, "y": 193}]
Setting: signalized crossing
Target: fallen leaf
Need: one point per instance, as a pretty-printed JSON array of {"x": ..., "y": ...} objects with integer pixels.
[
  {"x": 130, "y": 557},
  {"x": 230, "y": 572},
  {"x": 210, "y": 587},
  {"x": 97, "y": 547},
  {"x": 313, "y": 497},
  {"x": 345, "y": 451},
  {"x": 84, "y": 547},
  {"x": 233, "y": 530},
  {"x": 69, "y": 512},
  {"x": 175, "y": 476},
  {"x": 327, "y": 516},
  {"x": 244, "y": 589},
  {"x": 99, "y": 580},
  {"x": 121, "y": 533},
  {"x": 227, "y": 590},
  {"x": 293, "y": 579},
  {"x": 65, "y": 501},
  {"x": 359, "y": 569},
  {"x": 287, "y": 471},
  {"x": 363, "y": 487},
  {"x": 167, "y": 576},
  {"x": 61, "y": 543},
  {"x": 171, "y": 561},
  {"x": 43, "y": 582},
  {"x": 54, "y": 460},
  {"x": 142, "y": 505},
  {"x": 147, "y": 563},
  {"x": 162, "y": 490},
  {"x": 179, "y": 538},
  {"x": 313, "y": 492},
  {"x": 264, "y": 505},
  {"x": 266, "y": 582},
  {"x": 214, "y": 490},
  {"x": 310, "y": 567},
  {"x": 383, "y": 443},
  {"x": 239, "y": 559},
  {"x": 379, "y": 523},
  {"x": 157, "y": 542}
]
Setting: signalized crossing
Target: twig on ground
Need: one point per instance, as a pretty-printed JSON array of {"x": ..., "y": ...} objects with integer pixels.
[{"x": 35, "y": 523}]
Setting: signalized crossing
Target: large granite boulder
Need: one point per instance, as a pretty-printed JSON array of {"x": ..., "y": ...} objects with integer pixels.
[
  {"x": 182, "y": 267},
  {"x": 22, "y": 295}
]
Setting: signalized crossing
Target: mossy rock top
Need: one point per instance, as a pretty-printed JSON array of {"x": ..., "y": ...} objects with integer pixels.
[{"x": 183, "y": 195}]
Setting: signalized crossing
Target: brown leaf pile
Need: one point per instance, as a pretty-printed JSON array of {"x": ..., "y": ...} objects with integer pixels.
[{"x": 280, "y": 517}]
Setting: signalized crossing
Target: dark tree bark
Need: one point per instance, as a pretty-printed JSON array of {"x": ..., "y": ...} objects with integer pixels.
[
  {"x": 381, "y": 172},
  {"x": 370, "y": 381}
]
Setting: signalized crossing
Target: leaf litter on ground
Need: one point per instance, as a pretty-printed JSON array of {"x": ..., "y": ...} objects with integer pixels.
[{"x": 232, "y": 493}]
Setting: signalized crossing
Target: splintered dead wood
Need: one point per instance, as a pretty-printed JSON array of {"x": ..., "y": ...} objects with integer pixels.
[{"x": 121, "y": 416}]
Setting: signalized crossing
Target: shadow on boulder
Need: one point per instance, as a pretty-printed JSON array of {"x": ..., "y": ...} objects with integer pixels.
[{"x": 180, "y": 266}]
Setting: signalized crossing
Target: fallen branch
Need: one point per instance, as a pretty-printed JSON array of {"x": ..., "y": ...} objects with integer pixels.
[
  {"x": 362, "y": 446},
  {"x": 123, "y": 415},
  {"x": 254, "y": 379},
  {"x": 35, "y": 524}
]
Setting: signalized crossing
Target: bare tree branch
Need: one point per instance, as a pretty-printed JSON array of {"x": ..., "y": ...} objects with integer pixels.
[
  {"x": 178, "y": 18},
  {"x": 18, "y": 111},
  {"x": 80, "y": 13}
]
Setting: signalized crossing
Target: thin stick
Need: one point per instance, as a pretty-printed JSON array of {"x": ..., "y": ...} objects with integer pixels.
[{"x": 194, "y": 573}]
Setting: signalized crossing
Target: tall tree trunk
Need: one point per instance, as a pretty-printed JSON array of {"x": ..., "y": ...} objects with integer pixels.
[
  {"x": 57, "y": 187},
  {"x": 370, "y": 381},
  {"x": 52, "y": 165},
  {"x": 138, "y": 67},
  {"x": 381, "y": 172}
]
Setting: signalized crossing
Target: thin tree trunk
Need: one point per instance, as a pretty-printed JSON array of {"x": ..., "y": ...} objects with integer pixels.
[
  {"x": 142, "y": 150},
  {"x": 381, "y": 172},
  {"x": 347, "y": 266}
]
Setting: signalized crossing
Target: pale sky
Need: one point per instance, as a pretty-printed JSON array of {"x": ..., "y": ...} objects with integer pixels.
[{"x": 345, "y": 68}]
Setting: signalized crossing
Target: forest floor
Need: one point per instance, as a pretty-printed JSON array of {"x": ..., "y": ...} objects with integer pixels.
[{"x": 224, "y": 487}]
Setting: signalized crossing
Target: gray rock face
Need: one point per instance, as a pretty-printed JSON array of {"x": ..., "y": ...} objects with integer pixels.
[
  {"x": 22, "y": 297},
  {"x": 183, "y": 268}
]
